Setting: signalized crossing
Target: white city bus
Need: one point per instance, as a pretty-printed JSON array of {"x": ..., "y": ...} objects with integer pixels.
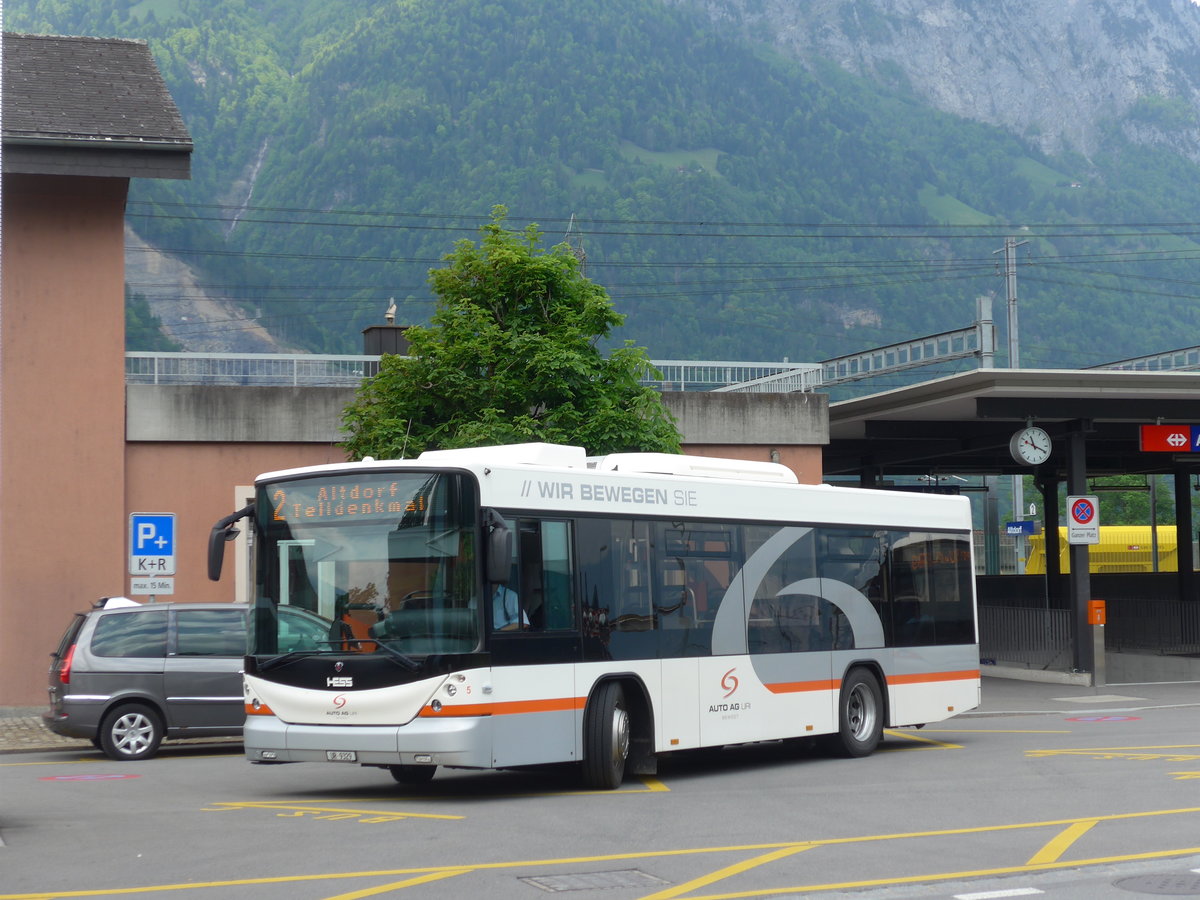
[{"x": 520, "y": 605}]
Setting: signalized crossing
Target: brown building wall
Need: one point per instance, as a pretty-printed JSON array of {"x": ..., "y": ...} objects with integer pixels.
[
  {"x": 805, "y": 461},
  {"x": 62, "y": 438},
  {"x": 197, "y": 483}
]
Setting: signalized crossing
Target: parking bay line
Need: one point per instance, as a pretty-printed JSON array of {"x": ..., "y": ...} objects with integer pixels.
[{"x": 781, "y": 849}]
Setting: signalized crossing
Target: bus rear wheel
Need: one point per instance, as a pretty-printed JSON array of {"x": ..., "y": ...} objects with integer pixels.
[
  {"x": 606, "y": 738},
  {"x": 412, "y": 774},
  {"x": 860, "y": 716}
]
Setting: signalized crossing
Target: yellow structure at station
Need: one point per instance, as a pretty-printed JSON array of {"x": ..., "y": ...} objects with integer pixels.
[{"x": 1122, "y": 548}]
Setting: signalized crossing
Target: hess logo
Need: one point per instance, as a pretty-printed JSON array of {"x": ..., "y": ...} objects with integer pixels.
[{"x": 339, "y": 681}]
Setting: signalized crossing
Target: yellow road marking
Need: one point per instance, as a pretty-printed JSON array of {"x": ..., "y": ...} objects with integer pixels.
[
  {"x": 1141, "y": 754},
  {"x": 786, "y": 848},
  {"x": 1125, "y": 749},
  {"x": 728, "y": 872},
  {"x": 323, "y": 812},
  {"x": 997, "y": 731},
  {"x": 97, "y": 759},
  {"x": 398, "y": 885},
  {"x": 937, "y": 876},
  {"x": 1053, "y": 850},
  {"x": 916, "y": 738}
]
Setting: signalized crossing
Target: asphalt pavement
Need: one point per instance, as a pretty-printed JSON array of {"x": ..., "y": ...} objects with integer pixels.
[{"x": 21, "y": 728}]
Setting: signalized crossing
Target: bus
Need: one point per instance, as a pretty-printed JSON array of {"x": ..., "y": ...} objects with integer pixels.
[{"x": 513, "y": 606}]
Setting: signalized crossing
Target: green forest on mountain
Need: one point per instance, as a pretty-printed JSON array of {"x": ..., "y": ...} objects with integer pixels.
[{"x": 734, "y": 203}]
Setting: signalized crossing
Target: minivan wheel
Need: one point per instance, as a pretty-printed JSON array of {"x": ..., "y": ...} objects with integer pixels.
[{"x": 133, "y": 731}]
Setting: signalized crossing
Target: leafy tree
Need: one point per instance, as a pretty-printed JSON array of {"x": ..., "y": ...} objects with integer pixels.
[
  {"x": 143, "y": 329},
  {"x": 511, "y": 356}
]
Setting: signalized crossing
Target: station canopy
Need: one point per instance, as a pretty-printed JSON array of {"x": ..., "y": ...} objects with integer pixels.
[{"x": 962, "y": 424}]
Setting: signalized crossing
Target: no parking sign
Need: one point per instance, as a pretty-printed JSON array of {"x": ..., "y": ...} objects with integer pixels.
[{"x": 1083, "y": 520}]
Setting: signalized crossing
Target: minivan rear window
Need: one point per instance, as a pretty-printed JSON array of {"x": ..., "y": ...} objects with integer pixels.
[
  {"x": 69, "y": 635},
  {"x": 134, "y": 634}
]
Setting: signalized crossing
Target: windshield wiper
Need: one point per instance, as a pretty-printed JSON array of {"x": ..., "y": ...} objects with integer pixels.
[
  {"x": 267, "y": 664},
  {"x": 407, "y": 661},
  {"x": 274, "y": 662}
]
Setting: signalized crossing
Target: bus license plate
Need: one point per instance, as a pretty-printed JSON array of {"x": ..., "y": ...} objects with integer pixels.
[{"x": 341, "y": 755}]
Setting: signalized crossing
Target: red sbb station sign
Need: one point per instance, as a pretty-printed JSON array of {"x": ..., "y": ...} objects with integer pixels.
[{"x": 1170, "y": 438}]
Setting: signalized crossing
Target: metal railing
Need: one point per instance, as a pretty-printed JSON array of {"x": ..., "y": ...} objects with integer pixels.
[
  {"x": 1038, "y": 638},
  {"x": 800, "y": 378},
  {"x": 923, "y": 351},
  {"x": 1185, "y": 359},
  {"x": 251, "y": 369},
  {"x": 1167, "y": 627},
  {"x": 144, "y": 367},
  {"x": 1041, "y": 638}
]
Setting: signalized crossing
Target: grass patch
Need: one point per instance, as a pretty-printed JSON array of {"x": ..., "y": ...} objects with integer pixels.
[
  {"x": 1041, "y": 177},
  {"x": 950, "y": 210},
  {"x": 590, "y": 178},
  {"x": 164, "y": 10},
  {"x": 705, "y": 158}
]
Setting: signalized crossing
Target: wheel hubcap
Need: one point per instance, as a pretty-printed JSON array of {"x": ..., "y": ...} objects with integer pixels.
[
  {"x": 132, "y": 734},
  {"x": 861, "y": 712},
  {"x": 620, "y": 726}
]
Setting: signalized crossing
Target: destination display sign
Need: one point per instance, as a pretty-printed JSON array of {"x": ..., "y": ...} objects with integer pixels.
[
  {"x": 1170, "y": 438},
  {"x": 359, "y": 498}
]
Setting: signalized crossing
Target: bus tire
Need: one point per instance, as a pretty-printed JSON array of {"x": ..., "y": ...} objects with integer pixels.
[
  {"x": 412, "y": 774},
  {"x": 860, "y": 716},
  {"x": 606, "y": 738},
  {"x": 131, "y": 731}
]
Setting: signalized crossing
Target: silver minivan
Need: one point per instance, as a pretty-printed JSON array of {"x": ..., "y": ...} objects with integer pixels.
[{"x": 126, "y": 675}]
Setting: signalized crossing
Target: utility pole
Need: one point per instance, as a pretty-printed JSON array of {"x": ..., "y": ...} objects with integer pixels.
[
  {"x": 579, "y": 253},
  {"x": 1014, "y": 362},
  {"x": 1010, "y": 290}
]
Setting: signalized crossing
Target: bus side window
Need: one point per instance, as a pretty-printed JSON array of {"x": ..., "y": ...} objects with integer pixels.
[
  {"x": 545, "y": 568},
  {"x": 557, "y": 571}
]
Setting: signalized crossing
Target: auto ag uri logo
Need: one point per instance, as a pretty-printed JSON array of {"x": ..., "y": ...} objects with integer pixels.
[
  {"x": 340, "y": 706},
  {"x": 729, "y": 682}
]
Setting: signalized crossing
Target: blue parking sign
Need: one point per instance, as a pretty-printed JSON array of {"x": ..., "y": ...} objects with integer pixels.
[{"x": 152, "y": 544}]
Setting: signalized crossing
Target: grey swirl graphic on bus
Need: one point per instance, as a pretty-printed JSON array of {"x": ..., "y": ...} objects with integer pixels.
[{"x": 734, "y": 624}]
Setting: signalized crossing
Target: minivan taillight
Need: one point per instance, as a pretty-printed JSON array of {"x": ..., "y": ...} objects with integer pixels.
[{"x": 64, "y": 667}]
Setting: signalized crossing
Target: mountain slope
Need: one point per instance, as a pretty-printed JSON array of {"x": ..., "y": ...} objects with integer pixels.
[
  {"x": 739, "y": 192},
  {"x": 1057, "y": 74}
]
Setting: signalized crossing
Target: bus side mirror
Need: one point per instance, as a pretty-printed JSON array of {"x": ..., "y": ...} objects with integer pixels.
[
  {"x": 221, "y": 532},
  {"x": 499, "y": 548}
]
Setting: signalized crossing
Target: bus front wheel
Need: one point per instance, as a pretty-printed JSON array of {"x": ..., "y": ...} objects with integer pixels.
[
  {"x": 606, "y": 738},
  {"x": 412, "y": 774},
  {"x": 860, "y": 716}
]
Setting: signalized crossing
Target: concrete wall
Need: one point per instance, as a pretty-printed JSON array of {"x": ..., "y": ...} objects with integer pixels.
[
  {"x": 71, "y": 478},
  {"x": 783, "y": 428},
  {"x": 62, "y": 346},
  {"x": 241, "y": 413},
  {"x": 235, "y": 413}
]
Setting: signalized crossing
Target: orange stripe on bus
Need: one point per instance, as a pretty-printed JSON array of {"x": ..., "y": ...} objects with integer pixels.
[
  {"x": 515, "y": 707},
  {"x": 794, "y": 687},
  {"x": 927, "y": 677}
]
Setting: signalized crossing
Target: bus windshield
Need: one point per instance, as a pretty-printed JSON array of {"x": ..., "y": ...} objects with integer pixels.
[{"x": 378, "y": 558}]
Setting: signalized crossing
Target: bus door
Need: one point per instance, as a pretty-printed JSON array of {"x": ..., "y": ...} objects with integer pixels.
[
  {"x": 773, "y": 677},
  {"x": 535, "y": 643},
  {"x": 694, "y": 564}
]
